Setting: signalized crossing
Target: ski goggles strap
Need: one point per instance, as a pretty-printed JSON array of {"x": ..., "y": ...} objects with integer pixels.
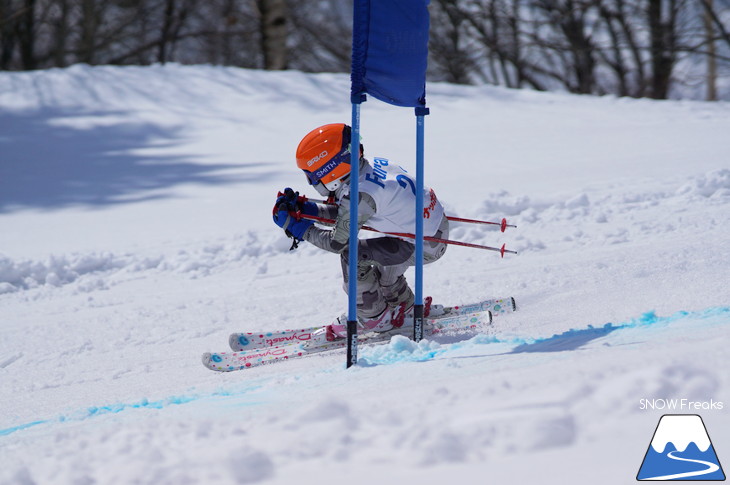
[{"x": 315, "y": 176}]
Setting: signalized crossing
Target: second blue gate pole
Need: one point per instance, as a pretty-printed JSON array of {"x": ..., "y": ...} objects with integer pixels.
[{"x": 418, "y": 304}]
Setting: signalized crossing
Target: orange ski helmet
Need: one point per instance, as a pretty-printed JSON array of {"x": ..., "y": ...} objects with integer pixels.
[{"x": 324, "y": 156}]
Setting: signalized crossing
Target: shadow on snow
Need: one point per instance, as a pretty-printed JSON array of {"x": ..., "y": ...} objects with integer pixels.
[
  {"x": 570, "y": 340},
  {"x": 47, "y": 166}
]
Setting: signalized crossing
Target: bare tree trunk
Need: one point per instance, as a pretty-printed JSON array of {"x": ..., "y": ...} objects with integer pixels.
[
  {"x": 514, "y": 25},
  {"x": 574, "y": 28},
  {"x": 711, "y": 59},
  {"x": 60, "y": 35},
  {"x": 663, "y": 46},
  {"x": 501, "y": 50},
  {"x": 174, "y": 19},
  {"x": 167, "y": 20},
  {"x": 168, "y": 23},
  {"x": 617, "y": 62},
  {"x": 27, "y": 35},
  {"x": 89, "y": 29},
  {"x": 624, "y": 19},
  {"x": 7, "y": 34},
  {"x": 274, "y": 33},
  {"x": 230, "y": 20}
]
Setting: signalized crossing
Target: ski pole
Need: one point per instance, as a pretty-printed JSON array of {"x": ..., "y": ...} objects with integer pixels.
[
  {"x": 502, "y": 224},
  {"x": 324, "y": 220}
]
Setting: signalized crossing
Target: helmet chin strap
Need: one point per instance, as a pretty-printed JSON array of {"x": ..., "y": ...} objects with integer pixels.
[
  {"x": 335, "y": 184},
  {"x": 322, "y": 190}
]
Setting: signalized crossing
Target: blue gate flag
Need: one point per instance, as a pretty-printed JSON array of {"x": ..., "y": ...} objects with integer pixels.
[
  {"x": 389, "y": 59},
  {"x": 390, "y": 51}
]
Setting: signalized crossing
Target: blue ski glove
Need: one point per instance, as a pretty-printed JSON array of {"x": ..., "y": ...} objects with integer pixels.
[
  {"x": 293, "y": 227},
  {"x": 288, "y": 208},
  {"x": 294, "y": 202}
]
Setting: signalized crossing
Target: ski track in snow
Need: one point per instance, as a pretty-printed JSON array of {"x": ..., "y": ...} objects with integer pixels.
[{"x": 135, "y": 234}]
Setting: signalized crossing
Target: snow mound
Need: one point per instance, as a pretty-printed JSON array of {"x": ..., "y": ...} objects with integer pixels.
[
  {"x": 399, "y": 349},
  {"x": 55, "y": 270},
  {"x": 714, "y": 184},
  {"x": 60, "y": 270}
]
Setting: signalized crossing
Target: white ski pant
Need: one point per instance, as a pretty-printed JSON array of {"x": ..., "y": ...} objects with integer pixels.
[{"x": 382, "y": 262}]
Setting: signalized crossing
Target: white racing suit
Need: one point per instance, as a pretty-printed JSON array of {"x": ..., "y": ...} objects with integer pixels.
[{"x": 387, "y": 203}]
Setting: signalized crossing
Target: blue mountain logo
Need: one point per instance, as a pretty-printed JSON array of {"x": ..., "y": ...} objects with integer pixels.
[{"x": 681, "y": 450}]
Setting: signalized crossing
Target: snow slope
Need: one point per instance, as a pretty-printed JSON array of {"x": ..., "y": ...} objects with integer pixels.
[{"x": 135, "y": 234}]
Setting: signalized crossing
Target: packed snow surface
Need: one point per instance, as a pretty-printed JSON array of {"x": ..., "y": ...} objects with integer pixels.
[{"x": 135, "y": 234}]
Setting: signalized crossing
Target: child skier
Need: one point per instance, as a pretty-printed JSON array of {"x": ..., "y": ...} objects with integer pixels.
[{"x": 386, "y": 202}]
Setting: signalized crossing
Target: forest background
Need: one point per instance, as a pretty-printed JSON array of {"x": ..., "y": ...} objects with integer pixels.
[{"x": 659, "y": 49}]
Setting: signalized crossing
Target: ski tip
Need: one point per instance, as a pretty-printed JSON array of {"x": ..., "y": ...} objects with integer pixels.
[
  {"x": 238, "y": 341},
  {"x": 212, "y": 361},
  {"x": 514, "y": 303}
]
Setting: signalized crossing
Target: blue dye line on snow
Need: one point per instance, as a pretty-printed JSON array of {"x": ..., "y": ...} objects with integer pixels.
[
  {"x": 94, "y": 411},
  {"x": 651, "y": 318},
  {"x": 7, "y": 431},
  {"x": 576, "y": 338},
  {"x": 401, "y": 349}
]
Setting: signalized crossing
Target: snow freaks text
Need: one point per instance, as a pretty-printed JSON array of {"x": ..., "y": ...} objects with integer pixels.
[{"x": 680, "y": 405}]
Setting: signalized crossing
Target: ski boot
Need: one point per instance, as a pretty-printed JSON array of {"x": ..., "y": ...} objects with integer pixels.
[
  {"x": 381, "y": 323},
  {"x": 391, "y": 320}
]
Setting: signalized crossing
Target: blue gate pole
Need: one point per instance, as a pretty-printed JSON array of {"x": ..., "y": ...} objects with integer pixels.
[
  {"x": 418, "y": 304},
  {"x": 352, "y": 255}
]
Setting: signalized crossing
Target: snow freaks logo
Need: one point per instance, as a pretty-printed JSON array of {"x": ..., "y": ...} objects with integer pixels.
[{"x": 680, "y": 450}]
